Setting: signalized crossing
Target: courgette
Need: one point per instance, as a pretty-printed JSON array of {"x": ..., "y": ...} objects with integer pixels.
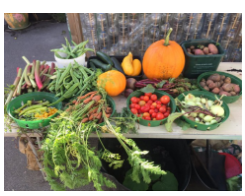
[
  {"x": 99, "y": 64},
  {"x": 92, "y": 65},
  {"x": 104, "y": 58},
  {"x": 117, "y": 65}
]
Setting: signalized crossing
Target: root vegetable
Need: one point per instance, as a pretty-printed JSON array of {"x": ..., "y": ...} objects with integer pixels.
[
  {"x": 222, "y": 77},
  {"x": 233, "y": 93},
  {"x": 213, "y": 49},
  {"x": 127, "y": 92},
  {"x": 209, "y": 81},
  {"x": 131, "y": 83},
  {"x": 202, "y": 84},
  {"x": 218, "y": 84},
  {"x": 203, "y": 80},
  {"x": 217, "y": 110},
  {"x": 192, "y": 47},
  {"x": 208, "y": 118},
  {"x": 227, "y": 87},
  {"x": 211, "y": 85},
  {"x": 189, "y": 50},
  {"x": 198, "y": 52},
  {"x": 206, "y": 88},
  {"x": 236, "y": 88},
  {"x": 214, "y": 77},
  {"x": 85, "y": 120},
  {"x": 227, "y": 80},
  {"x": 96, "y": 98},
  {"x": 191, "y": 118},
  {"x": 205, "y": 50},
  {"x": 193, "y": 114},
  {"x": 215, "y": 90},
  {"x": 108, "y": 110},
  {"x": 209, "y": 54},
  {"x": 224, "y": 93}
]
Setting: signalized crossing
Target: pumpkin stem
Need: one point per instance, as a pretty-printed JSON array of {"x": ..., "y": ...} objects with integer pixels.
[{"x": 166, "y": 43}]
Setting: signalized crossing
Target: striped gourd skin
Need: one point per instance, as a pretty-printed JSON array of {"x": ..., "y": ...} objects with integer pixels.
[{"x": 163, "y": 62}]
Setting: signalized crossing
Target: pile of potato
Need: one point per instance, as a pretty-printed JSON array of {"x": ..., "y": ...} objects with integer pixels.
[
  {"x": 203, "y": 50},
  {"x": 220, "y": 84}
]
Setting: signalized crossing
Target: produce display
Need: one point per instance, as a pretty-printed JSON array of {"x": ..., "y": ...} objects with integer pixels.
[
  {"x": 35, "y": 110},
  {"x": 210, "y": 49},
  {"x": 69, "y": 52},
  {"x": 84, "y": 96},
  {"x": 221, "y": 85},
  {"x": 201, "y": 110},
  {"x": 149, "y": 107},
  {"x": 163, "y": 59}
]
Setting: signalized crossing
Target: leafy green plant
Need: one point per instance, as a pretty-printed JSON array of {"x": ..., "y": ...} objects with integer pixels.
[{"x": 71, "y": 52}]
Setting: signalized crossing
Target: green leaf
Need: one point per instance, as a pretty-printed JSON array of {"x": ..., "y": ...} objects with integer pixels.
[
  {"x": 171, "y": 80},
  {"x": 160, "y": 84},
  {"x": 168, "y": 183},
  {"x": 183, "y": 124},
  {"x": 234, "y": 183},
  {"x": 148, "y": 89},
  {"x": 171, "y": 118}
]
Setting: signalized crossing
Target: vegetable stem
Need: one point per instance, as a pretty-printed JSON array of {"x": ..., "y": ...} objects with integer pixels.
[{"x": 166, "y": 43}]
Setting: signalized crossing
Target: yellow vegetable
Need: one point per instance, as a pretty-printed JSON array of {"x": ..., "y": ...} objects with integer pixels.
[
  {"x": 127, "y": 64},
  {"x": 136, "y": 67}
]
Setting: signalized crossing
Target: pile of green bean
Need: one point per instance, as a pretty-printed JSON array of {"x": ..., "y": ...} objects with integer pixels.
[{"x": 71, "y": 81}]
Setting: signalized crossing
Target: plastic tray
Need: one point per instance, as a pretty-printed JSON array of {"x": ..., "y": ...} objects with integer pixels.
[
  {"x": 198, "y": 64},
  {"x": 209, "y": 96},
  {"x": 37, "y": 96},
  {"x": 234, "y": 79},
  {"x": 120, "y": 59},
  {"x": 152, "y": 123}
]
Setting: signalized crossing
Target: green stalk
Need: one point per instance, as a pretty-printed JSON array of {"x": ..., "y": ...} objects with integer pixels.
[
  {"x": 21, "y": 80},
  {"x": 166, "y": 43}
]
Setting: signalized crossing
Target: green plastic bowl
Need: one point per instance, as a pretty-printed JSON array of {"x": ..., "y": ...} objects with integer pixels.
[
  {"x": 209, "y": 96},
  {"x": 234, "y": 79},
  {"x": 152, "y": 123},
  {"x": 37, "y": 96},
  {"x": 111, "y": 103}
]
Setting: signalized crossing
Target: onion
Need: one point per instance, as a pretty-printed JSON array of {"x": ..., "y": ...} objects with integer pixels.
[
  {"x": 190, "y": 97},
  {"x": 193, "y": 114},
  {"x": 217, "y": 110},
  {"x": 201, "y": 115},
  {"x": 208, "y": 118}
]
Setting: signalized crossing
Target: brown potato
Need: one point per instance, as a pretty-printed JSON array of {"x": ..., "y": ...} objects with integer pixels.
[
  {"x": 202, "y": 84},
  {"x": 214, "y": 77},
  {"x": 215, "y": 90},
  {"x": 205, "y": 50},
  {"x": 233, "y": 93},
  {"x": 227, "y": 87},
  {"x": 218, "y": 84},
  {"x": 222, "y": 77},
  {"x": 192, "y": 47},
  {"x": 209, "y": 81},
  {"x": 212, "y": 85},
  {"x": 206, "y": 88},
  {"x": 224, "y": 93},
  {"x": 236, "y": 88},
  {"x": 213, "y": 49},
  {"x": 227, "y": 80}
]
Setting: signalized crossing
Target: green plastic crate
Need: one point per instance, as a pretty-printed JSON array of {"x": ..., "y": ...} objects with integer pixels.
[
  {"x": 198, "y": 64},
  {"x": 152, "y": 123},
  {"x": 210, "y": 96},
  {"x": 37, "y": 96},
  {"x": 234, "y": 79}
]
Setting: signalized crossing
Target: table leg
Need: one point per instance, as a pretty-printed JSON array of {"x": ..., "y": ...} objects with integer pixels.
[{"x": 207, "y": 154}]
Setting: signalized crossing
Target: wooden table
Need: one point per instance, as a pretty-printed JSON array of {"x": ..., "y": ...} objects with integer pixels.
[{"x": 231, "y": 129}]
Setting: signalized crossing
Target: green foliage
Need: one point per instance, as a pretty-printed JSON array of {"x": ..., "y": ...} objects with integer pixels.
[
  {"x": 234, "y": 183},
  {"x": 171, "y": 118},
  {"x": 168, "y": 183},
  {"x": 148, "y": 89}
]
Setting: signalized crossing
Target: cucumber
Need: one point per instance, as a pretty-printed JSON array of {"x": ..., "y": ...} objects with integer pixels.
[
  {"x": 117, "y": 65},
  {"x": 98, "y": 64},
  {"x": 92, "y": 65},
  {"x": 104, "y": 58}
]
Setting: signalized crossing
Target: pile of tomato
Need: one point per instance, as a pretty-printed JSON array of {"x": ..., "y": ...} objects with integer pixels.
[{"x": 149, "y": 107}]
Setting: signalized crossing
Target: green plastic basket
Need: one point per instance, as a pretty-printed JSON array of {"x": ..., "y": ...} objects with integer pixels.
[
  {"x": 152, "y": 123},
  {"x": 37, "y": 96},
  {"x": 209, "y": 96},
  {"x": 198, "y": 64},
  {"x": 234, "y": 79}
]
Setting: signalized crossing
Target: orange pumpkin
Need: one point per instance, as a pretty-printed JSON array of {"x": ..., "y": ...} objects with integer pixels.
[
  {"x": 114, "y": 82},
  {"x": 164, "y": 59}
]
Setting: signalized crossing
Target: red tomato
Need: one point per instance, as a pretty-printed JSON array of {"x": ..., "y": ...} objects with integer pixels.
[
  {"x": 165, "y": 99},
  {"x": 142, "y": 97},
  {"x": 134, "y": 100},
  {"x": 148, "y": 94},
  {"x": 154, "y": 119},
  {"x": 134, "y": 111},
  {"x": 147, "y": 118},
  {"x": 132, "y": 105},
  {"x": 166, "y": 114},
  {"x": 150, "y": 102},
  {"x": 142, "y": 108},
  {"x": 154, "y": 114},
  {"x": 139, "y": 111},
  {"x": 138, "y": 115},
  {"x": 146, "y": 98},
  {"x": 168, "y": 108},
  {"x": 147, "y": 108},
  {"x": 156, "y": 110},
  {"x": 146, "y": 114},
  {"x": 137, "y": 106},
  {"x": 154, "y": 104},
  {"x": 159, "y": 116},
  {"x": 158, "y": 106},
  {"x": 152, "y": 107},
  {"x": 151, "y": 111},
  {"x": 158, "y": 102},
  {"x": 141, "y": 102},
  {"x": 153, "y": 97},
  {"x": 163, "y": 109}
]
